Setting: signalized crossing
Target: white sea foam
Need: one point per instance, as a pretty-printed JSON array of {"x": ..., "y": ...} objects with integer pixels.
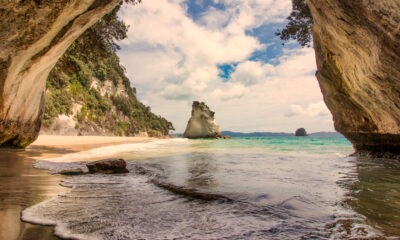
[
  {"x": 271, "y": 196},
  {"x": 29, "y": 214},
  {"x": 34, "y": 215}
]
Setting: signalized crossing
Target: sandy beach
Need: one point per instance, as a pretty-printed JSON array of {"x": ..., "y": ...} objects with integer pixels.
[
  {"x": 21, "y": 185},
  {"x": 55, "y": 146}
]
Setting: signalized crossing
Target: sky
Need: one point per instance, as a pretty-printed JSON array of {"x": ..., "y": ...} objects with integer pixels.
[{"x": 225, "y": 53}]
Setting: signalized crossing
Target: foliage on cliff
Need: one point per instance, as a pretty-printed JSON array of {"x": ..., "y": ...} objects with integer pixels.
[
  {"x": 299, "y": 24},
  {"x": 79, "y": 79}
]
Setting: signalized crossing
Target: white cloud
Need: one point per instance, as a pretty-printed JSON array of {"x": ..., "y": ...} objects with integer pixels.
[
  {"x": 230, "y": 91},
  {"x": 312, "y": 110},
  {"x": 250, "y": 72},
  {"x": 172, "y": 60},
  {"x": 253, "y": 13},
  {"x": 168, "y": 49}
]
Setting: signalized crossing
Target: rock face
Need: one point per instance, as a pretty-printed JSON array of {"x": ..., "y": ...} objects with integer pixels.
[
  {"x": 71, "y": 172},
  {"x": 357, "y": 46},
  {"x": 202, "y": 124},
  {"x": 301, "y": 132},
  {"x": 34, "y": 35},
  {"x": 88, "y": 93},
  {"x": 112, "y": 165}
]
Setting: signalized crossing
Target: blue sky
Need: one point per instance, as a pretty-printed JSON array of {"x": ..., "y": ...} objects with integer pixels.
[
  {"x": 223, "y": 52},
  {"x": 195, "y": 9},
  {"x": 265, "y": 33}
]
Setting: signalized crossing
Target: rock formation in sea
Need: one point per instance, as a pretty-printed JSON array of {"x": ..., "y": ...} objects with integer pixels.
[
  {"x": 34, "y": 35},
  {"x": 202, "y": 124},
  {"x": 112, "y": 165},
  {"x": 357, "y": 46},
  {"x": 301, "y": 132}
]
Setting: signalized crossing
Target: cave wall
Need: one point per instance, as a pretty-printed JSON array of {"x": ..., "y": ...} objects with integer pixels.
[
  {"x": 357, "y": 46},
  {"x": 33, "y": 36}
]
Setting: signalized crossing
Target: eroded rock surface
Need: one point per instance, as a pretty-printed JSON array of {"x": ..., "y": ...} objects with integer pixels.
[
  {"x": 112, "y": 165},
  {"x": 33, "y": 36},
  {"x": 357, "y": 45},
  {"x": 202, "y": 124},
  {"x": 71, "y": 172}
]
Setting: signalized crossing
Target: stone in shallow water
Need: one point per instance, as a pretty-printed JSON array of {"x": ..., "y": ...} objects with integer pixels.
[
  {"x": 73, "y": 171},
  {"x": 112, "y": 165}
]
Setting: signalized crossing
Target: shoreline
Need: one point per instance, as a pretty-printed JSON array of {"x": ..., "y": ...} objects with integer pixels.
[
  {"x": 22, "y": 185},
  {"x": 57, "y": 146}
]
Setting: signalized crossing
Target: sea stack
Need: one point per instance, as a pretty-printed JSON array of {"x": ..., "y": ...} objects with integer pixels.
[
  {"x": 301, "y": 132},
  {"x": 202, "y": 124}
]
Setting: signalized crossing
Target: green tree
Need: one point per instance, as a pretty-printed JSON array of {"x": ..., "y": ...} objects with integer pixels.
[
  {"x": 299, "y": 25},
  {"x": 93, "y": 57},
  {"x": 110, "y": 28}
]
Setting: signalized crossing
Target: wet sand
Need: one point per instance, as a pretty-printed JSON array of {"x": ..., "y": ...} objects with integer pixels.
[{"x": 21, "y": 185}]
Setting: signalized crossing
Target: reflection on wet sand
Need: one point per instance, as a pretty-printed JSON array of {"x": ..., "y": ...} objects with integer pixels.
[
  {"x": 21, "y": 186},
  {"x": 375, "y": 193},
  {"x": 374, "y": 188},
  {"x": 201, "y": 170}
]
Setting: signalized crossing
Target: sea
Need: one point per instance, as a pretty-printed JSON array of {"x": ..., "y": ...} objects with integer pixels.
[{"x": 281, "y": 187}]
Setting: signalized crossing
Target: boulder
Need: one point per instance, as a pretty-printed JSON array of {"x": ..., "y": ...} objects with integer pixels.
[
  {"x": 301, "y": 132},
  {"x": 202, "y": 124},
  {"x": 227, "y": 137},
  {"x": 73, "y": 171},
  {"x": 112, "y": 165}
]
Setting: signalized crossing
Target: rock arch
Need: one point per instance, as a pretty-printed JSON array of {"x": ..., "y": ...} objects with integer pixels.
[
  {"x": 357, "y": 45},
  {"x": 34, "y": 35}
]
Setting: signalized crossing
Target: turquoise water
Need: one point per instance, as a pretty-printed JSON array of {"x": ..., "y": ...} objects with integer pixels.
[
  {"x": 242, "y": 188},
  {"x": 321, "y": 145}
]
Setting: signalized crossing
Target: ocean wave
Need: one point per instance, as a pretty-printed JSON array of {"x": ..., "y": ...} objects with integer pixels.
[
  {"x": 202, "y": 192},
  {"x": 130, "y": 206},
  {"x": 144, "y": 204}
]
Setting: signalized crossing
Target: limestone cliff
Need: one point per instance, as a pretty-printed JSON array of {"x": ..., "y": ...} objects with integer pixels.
[
  {"x": 88, "y": 93},
  {"x": 202, "y": 124},
  {"x": 33, "y": 36},
  {"x": 357, "y": 46}
]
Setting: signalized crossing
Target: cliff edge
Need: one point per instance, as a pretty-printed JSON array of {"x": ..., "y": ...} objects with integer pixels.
[
  {"x": 34, "y": 35},
  {"x": 88, "y": 93},
  {"x": 202, "y": 124},
  {"x": 357, "y": 46}
]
